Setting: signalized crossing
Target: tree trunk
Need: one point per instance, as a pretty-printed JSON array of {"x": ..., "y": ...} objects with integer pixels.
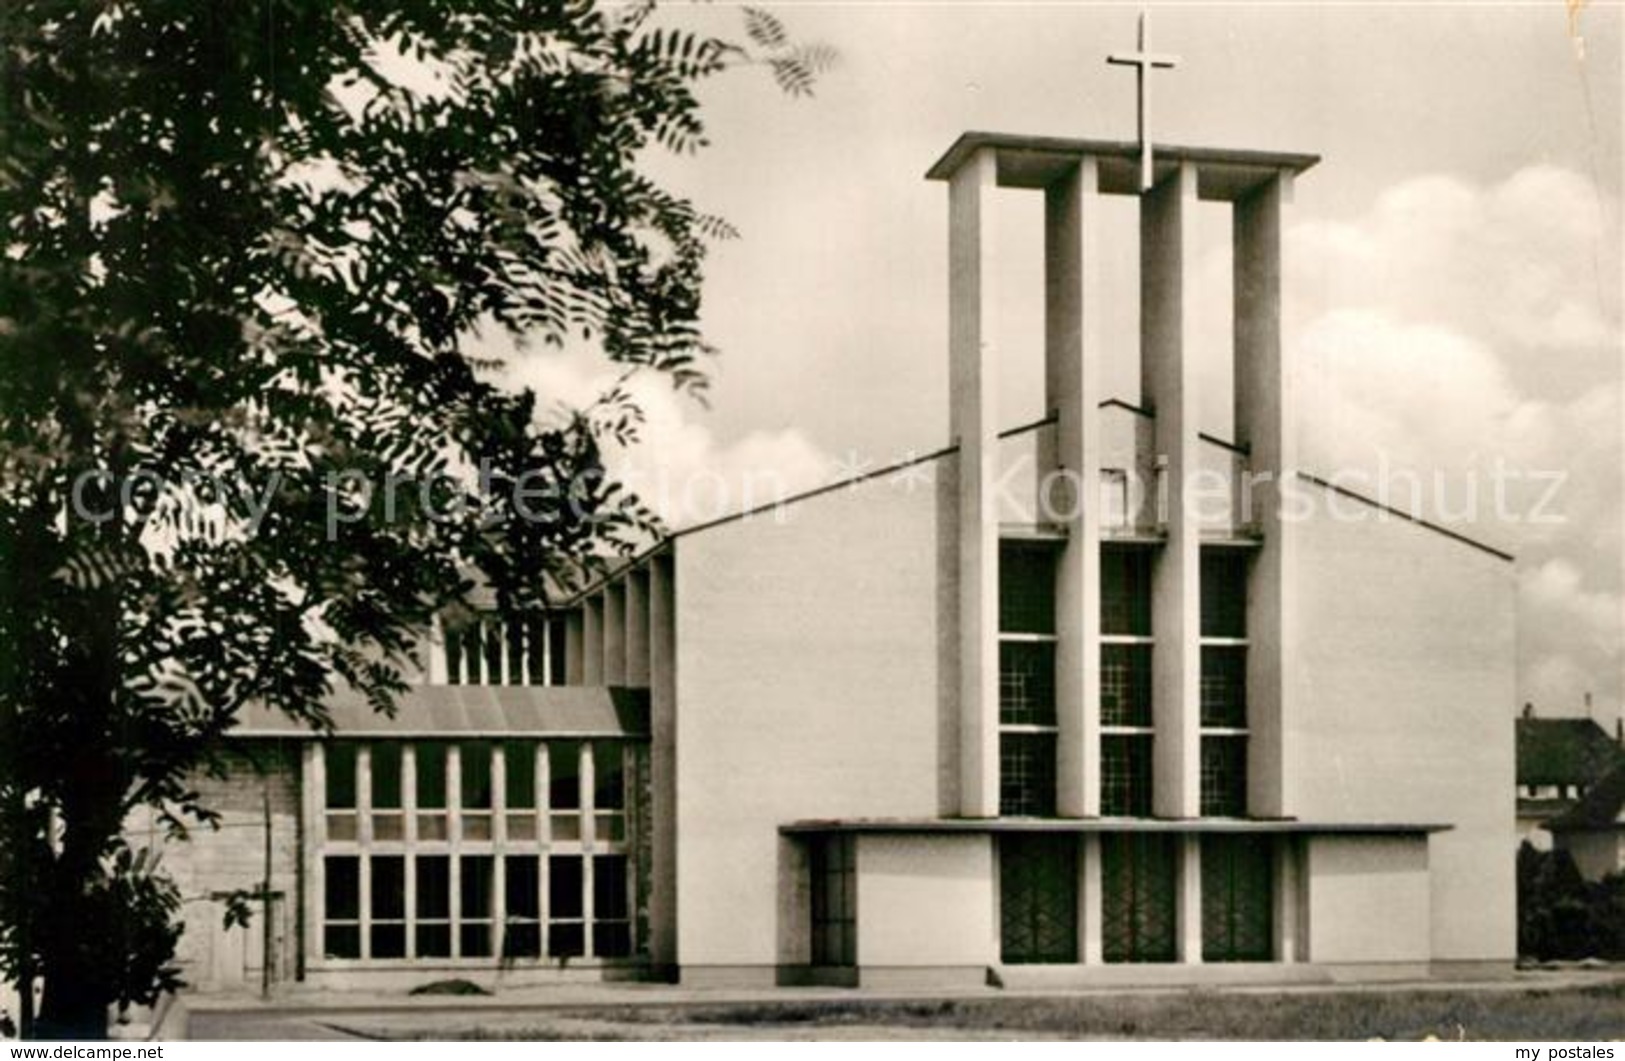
[
  {"x": 74, "y": 963},
  {"x": 25, "y": 1001},
  {"x": 73, "y": 1007}
]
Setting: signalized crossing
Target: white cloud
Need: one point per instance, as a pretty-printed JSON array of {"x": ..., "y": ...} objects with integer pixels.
[
  {"x": 1557, "y": 589},
  {"x": 677, "y": 465},
  {"x": 1525, "y": 261},
  {"x": 1573, "y": 634},
  {"x": 1470, "y": 335}
]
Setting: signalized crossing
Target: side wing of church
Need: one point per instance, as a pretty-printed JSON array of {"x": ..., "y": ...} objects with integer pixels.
[{"x": 891, "y": 733}]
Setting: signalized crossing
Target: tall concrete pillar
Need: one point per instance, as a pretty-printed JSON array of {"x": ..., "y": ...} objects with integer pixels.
[
  {"x": 436, "y": 650},
  {"x": 973, "y": 383},
  {"x": 1071, "y": 463},
  {"x": 1091, "y": 923},
  {"x": 575, "y": 647},
  {"x": 592, "y": 640},
  {"x": 662, "y": 765},
  {"x": 1188, "y": 908},
  {"x": 1169, "y": 388},
  {"x": 1287, "y": 912},
  {"x": 1264, "y": 424},
  {"x": 313, "y": 823},
  {"x": 637, "y": 628},
  {"x": 615, "y": 633}
]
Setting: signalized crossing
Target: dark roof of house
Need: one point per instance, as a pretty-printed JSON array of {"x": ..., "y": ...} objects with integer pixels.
[
  {"x": 1599, "y": 808},
  {"x": 1564, "y": 751}
]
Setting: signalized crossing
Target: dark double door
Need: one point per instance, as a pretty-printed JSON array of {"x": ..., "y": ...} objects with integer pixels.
[{"x": 1038, "y": 899}]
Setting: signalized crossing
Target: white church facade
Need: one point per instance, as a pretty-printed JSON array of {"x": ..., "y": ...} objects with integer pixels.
[{"x": 889, "y": 734}]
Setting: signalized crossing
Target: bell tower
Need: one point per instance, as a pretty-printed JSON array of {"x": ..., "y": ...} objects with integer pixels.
[{"x": 1169, "y": 182}]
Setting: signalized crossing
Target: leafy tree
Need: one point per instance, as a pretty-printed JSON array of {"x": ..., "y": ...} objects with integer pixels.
[{"x": 244, "y": 453}]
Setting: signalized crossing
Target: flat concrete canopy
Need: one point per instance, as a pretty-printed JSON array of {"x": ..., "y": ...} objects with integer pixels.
[
  {"x": 1110, "y": 825},
  {"x": 1222, "y": 175},
  {"x": 473, "y": 711}
]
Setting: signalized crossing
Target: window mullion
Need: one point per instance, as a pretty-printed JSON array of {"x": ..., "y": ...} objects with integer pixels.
[
  {"x": 454, "y": 833},
  {"x": 544, "y": 845},
  {"x": 499, "y": 846},
  {"x": 589, "y": 836}
]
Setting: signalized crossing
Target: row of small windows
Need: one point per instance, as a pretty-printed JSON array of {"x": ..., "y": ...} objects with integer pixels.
[
  {"x": 522, "y": 799},
  {"x": 1027, "y": 590},
  {"x": 488, "y": 649},
  {"x": 538, "y": 919},
  {"x": 1027, "y": 701},
  {"x": 1552, "y": 791},
  {"x": 478, "y": 849}
]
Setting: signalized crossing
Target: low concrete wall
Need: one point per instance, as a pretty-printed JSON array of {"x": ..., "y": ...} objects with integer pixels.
[
  {"x": 1369, "y": 902},
  {"x": 925, "y": 901}
]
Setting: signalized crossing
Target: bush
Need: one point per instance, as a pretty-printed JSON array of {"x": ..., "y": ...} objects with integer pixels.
[{"x": 1562, "y": 916}]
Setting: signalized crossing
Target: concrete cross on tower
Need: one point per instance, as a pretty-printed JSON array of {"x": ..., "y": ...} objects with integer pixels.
[{"x": 1144, "y": 61}]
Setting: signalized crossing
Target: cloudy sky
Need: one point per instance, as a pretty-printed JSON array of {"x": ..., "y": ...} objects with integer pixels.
[{"x": 1453, "y": 279}]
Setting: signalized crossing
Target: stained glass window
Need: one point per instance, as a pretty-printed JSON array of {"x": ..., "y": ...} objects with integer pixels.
[
  {"x": 1027, "y": 774},
  {"x": 1125, "y": 775}
]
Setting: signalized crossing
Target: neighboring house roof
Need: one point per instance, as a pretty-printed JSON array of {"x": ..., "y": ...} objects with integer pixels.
[
  {"x": 1564, "y": 751},
  {"x": 1599, "y": 808}
]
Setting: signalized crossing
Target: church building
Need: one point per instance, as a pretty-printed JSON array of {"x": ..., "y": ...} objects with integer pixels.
[{"x": 1193, "y": 716}]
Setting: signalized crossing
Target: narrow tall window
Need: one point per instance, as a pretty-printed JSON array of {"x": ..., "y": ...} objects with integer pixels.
[
  {"x": 474, "y": 759},
  {"x": 1224, "y": 592},
  {"x": 1027, "y": 723},
  {"x": 387, "y": 932},
  {"x": 522, "y": 932},
  {"x": 1125, "y": 775},
  {"x": 564, "y": 785},
  {"x": 433, "y": 906},
  {"x": 388, "y": 823},
  {"x": 1125, "y": 590},
  {"x": 567, "y": 913},
  {"x": 431, "y": 790},
  {"x": 834, "y": 900},
  {"x": 609, "y": 791},
  {"x": 611, "y": 907},
  {"x": 341, "y": 896},
  {"x": 1224, "y": 681},
  {"x": 477, "y": 880},
  {"x": 1126, "y": 723},
  {"x": 340, "y": 758},
  {"x": 519, "y": 768}
]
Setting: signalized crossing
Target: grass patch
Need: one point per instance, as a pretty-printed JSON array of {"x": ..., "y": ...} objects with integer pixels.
[{"x": 1585, "y": 1013}]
